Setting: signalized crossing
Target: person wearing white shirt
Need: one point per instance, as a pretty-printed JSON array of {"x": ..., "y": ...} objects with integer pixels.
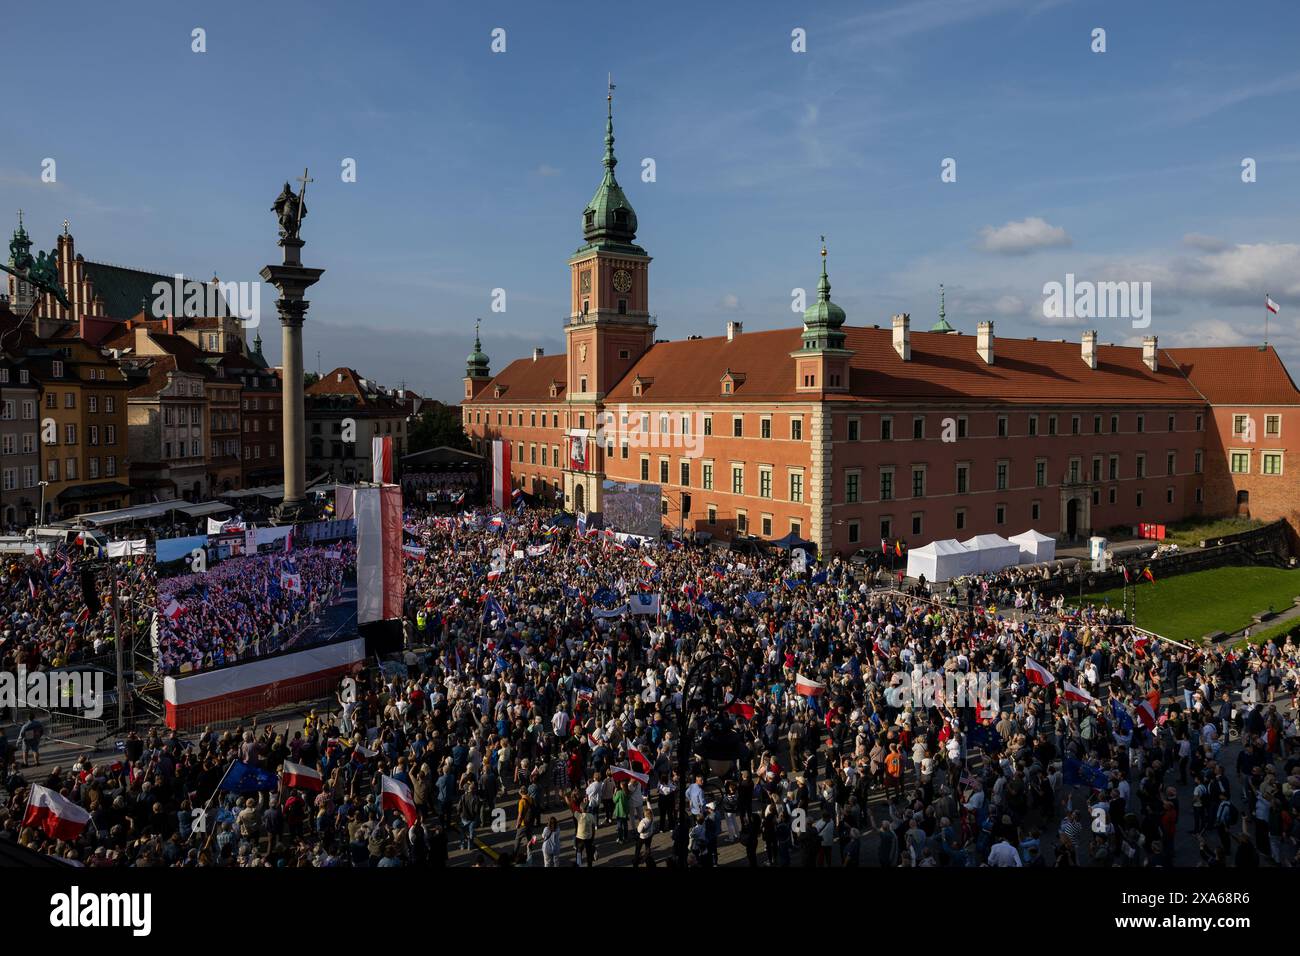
[
  {"x": 695, "y": 797},
  {"x": 1004, "y": 854},
  {"x": 560, "y": 723}
]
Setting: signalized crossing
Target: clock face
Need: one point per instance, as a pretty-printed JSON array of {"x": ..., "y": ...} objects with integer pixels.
[{"x": 622, "y": 280}]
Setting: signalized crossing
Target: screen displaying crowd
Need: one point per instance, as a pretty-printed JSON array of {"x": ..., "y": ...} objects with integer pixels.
[{"x": 241, "y": 594}]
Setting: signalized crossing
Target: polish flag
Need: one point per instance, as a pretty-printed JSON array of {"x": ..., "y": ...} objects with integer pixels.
[
  {"x": 1140, "y": 645},
  {"x": 1037, "y": 673},
  {"x": 299, "y": 775},
  {"x": 808, "y": 687},
  {"x": 361, "y": 753},
  {"x": 381, "y": 459},
  {"x": 397, "y": 796},
  {"x": 1270, "y": 304},
  {"x": 173, "y": 610},
  {"x": 648, "y": 562},
  {"x": 500, "y": 474},
  {"x": 741, "y": 709},
  {"x": 1146, "y": 714},
  {"x": 1077, "y": 694},
  {"x": 637, "y": 759},
  {"x": 54, "y": 814},
  {"x": 380, "y": 582},
  {"x": 626, "y": 773}
]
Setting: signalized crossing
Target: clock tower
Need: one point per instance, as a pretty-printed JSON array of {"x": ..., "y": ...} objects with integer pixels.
[{"x": 609, "y": 325}]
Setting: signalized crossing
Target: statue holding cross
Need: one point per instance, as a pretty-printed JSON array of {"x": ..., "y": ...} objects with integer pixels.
[{"x": 291, "y": 209}]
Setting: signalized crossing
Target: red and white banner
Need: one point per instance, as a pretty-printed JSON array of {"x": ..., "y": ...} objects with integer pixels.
[
  {"x": 626, "y": 773},
  {"x": 808, "y": 687},
  {"x": 397, "y": 796},
  {"x": 54, "y": 814},
  {"x": 381, "y": 459},
  {"x": 500, "y": 474},
  {"x": 380, "y": 584},
  {"x": 300, "y": 776},
  {"x": 1146, "y": 714},
  {"x": 637, "y": 759},
  {"x": 1037, "y": 673},
  {"x": 242, "y": 690},
  {"x": 1076, "y": 694}
]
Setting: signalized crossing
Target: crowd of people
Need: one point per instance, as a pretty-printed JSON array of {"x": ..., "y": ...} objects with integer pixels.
[
  {"x": 249, "y": 605},
  {"x": 756, "y": 713}
]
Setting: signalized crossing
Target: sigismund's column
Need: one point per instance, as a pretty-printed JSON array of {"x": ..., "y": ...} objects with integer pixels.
[{"x": 292, "y": 279}]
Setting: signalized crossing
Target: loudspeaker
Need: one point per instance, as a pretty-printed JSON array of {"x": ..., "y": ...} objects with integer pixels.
[{"x": 89, "y": 592}]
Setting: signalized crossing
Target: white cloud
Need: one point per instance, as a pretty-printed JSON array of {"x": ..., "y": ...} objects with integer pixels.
[
  {"x": 731, "y": 302},
  {"x": 545, "y": 170},
  {"x": 1021, "y": 237}
]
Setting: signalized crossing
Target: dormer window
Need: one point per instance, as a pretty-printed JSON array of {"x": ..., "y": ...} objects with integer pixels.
[
  {"x": 620, "y": 217},
  {"x": 589, "y": 219},
  {"x": 731, "y": 381},
  {"x": 640, "y": 384},
  {"x": 499, "y": 390}
]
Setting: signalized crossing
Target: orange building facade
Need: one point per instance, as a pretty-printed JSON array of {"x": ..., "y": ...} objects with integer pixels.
[{"x": 847, "y": 435}]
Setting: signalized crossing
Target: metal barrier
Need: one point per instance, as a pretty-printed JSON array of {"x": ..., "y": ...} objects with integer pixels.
[{"x": 60, "y": 725}]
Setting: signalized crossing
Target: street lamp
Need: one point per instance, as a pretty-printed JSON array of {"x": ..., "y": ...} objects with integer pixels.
[{"x": 40, "y": 515}]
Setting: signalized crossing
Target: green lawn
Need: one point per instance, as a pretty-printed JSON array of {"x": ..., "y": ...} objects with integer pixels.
[
  {"x": 1189, "y": 606},
  {"x": 1189, "y": 534}
]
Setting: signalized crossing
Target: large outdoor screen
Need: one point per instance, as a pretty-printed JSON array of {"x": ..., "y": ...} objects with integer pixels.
[
  {"x": 240, "y": 594},
  {"x": 632, "y": 507}
]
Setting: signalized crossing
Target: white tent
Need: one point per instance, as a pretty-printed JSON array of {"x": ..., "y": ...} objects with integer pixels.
[
  {"x": 941, "y": 561},
  {"x": 992, "y": 552},
  {"x": 1034, "y": 547}
]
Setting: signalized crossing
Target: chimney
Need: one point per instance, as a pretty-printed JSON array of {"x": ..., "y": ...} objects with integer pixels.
[
  {"x": 903, "y": 336},
  {"x": 537, "y": 353},
  {"x": 1090, "y": 348},
  {"x": 1149, "y": 358},
  {"x": 984, "y": 342},
  {"x": 734, "y": 328}
]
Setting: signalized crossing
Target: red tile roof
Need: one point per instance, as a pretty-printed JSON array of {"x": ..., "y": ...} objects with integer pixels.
[
  {"x": 943, "y": 368},
  {"x": 526, "y": 380},
  {"x": 1237, "y": 376}
]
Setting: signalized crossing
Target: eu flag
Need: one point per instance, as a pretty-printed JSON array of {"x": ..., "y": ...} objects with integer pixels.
[{"x": 246, "y": 778}]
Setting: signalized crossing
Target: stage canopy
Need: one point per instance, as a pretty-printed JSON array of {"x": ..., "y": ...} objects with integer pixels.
[
  {"x": 992, "y": 552},
  {"x": 941, "y": 561},
  {"x": 1035, "y": 547}
]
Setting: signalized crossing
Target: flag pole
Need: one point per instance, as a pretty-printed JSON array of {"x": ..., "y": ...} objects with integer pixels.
[
  {"x": 1266, "y": 314},
  {"x": 216, "y": 791}
]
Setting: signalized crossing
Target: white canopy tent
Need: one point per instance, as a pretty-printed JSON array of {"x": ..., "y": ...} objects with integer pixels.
[
  {"x": 941, "y": 561},
  {"x": 1035, "y": 547},
  {"x": 992, "y": 552}
]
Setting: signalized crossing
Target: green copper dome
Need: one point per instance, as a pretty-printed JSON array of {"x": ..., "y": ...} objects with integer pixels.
[
  {"x": 476, "y": 363},
  {"x": 823, "y": 319}
]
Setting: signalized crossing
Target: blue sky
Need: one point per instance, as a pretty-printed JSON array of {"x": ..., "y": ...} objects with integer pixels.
[{"x": 473, "y": 167}]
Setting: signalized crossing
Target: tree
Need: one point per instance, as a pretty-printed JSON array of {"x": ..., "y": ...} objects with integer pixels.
[
  {"x": 309, "y": 379},
  {"x": 437, "y": 425}
]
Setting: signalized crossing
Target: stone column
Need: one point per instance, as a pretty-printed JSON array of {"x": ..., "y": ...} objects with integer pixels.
[{"x": 292, "y": 279}]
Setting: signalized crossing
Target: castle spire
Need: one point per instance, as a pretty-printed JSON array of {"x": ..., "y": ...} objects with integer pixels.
[
  {"x": 822, "y": 321},
  {"x": 609, "y": 220},
  {"x": 942, "y": 325}
]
